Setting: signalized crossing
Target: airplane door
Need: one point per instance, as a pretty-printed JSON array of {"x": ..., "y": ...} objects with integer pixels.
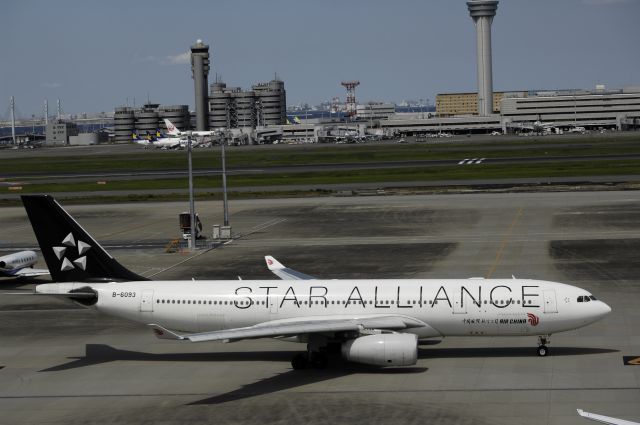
[
  {"x": 550, "y": 305},
  {"x": 458, "y": 308},
  {"x": 146, "y": 301},
  {"x": 273, "y": 304}
]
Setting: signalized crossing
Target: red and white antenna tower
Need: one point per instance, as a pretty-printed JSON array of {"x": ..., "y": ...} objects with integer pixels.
[{"x": 350, "y": 103}]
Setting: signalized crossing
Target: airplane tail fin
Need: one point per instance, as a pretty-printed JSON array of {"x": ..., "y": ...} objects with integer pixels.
[
  {"x": 171, "y": 129},
  {"x": 71, "y": 254}
]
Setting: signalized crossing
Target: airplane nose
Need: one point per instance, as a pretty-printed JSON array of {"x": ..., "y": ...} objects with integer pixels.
[{"x": 603, "y": 310}]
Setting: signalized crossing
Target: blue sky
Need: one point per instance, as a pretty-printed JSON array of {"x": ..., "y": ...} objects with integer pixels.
[{"x": 96, "y": 54}]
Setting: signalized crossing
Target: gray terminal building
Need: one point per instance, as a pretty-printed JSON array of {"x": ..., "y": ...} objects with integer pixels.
[
  {"x": 149, "y": 118},
  {"x": 231, "y": 107}
]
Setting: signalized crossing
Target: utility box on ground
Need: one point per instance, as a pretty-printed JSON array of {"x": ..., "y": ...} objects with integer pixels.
[{"x": 221, "y": 232}]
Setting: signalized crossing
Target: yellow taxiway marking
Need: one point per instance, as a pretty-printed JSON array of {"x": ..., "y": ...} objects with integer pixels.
[{"x": 504, "y": 243}]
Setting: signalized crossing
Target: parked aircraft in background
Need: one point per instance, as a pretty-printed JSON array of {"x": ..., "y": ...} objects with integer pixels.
[
  {"x": 19, "y": 264},
  {"x": 172, "y": 130},
  {"x": 159, "y": 142},
  {"x": 605, "y": 419},
  {"x": 144, "y": 141},
  {"x": 370, "y": 321}
]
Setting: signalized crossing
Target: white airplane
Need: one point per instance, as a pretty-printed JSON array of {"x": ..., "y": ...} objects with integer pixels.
[
  {"x": 19, "y": 264},
  {"x": 172, "y": 130},
  {"x": 605, "y": 419},
  {"x": 371, "y": 321},
  {"x": 159, "y": 142}
]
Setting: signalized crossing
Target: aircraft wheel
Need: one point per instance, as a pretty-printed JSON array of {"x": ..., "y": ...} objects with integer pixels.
[
  {"x": 543, "y": 351},
  {"x": 300, "y": 361}
]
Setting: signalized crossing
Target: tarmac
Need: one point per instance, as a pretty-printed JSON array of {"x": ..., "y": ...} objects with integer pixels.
[{"x": 63, "y": 364}]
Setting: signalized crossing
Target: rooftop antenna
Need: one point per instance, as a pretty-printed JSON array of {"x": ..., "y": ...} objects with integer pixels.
[
  {"x": 13, "y": 120},
  {"x": 46, "y": 112},
  {"x": 59, "y": 107}
]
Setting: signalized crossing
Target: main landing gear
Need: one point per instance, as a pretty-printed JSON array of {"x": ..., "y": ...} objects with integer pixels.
[
  {"x": 309, "y": 360},
  {"x": 316, "y": 356},
  {"x": 542, "y": 345}
]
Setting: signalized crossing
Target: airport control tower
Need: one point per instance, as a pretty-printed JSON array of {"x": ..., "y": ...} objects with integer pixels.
[
  {"x": 482, "y": 12},
  {"x": 200, "y": 73}
]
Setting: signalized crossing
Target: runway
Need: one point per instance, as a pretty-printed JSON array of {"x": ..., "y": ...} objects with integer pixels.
[{"x": 64, "y": 364}]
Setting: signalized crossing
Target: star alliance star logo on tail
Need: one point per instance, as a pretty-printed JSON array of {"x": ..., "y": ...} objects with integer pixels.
[
  {"x": 67, "y": 243},
  {"x": 533, "y": 319}
]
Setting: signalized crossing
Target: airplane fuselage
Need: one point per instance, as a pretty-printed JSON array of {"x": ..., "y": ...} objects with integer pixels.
[
  {"x": 447, "y": 307},
  {"x": 11, "y": 264}
]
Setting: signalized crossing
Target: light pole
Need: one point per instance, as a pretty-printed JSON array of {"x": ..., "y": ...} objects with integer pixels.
[
  {"x": 192, "y": 210},
  {"x": 225, "y": 205}
]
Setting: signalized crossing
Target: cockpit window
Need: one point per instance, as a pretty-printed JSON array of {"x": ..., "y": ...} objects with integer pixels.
[
  {"x": 580, "y": 299},
  {"x": 592, "y": 298}
]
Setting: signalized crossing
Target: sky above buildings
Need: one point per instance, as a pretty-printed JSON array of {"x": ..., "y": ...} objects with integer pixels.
[{"x": 96, "y": 55}]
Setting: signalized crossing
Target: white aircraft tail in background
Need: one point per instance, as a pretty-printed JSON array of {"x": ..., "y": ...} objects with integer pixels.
[{"x": 171, "y": 129}]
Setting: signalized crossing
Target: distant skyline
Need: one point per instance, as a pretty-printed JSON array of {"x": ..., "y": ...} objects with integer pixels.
[{"x": 95, "y": 55}]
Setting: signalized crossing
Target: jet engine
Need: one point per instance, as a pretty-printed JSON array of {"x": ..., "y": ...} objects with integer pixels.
[{"x": 382, "y": 350}]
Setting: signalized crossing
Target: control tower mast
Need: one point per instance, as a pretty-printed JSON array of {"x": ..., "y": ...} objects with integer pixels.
[
  {"x": 350, "y": 103},
  {"x": 200, "y": 73},
  {"x": 482, "y": 12}
]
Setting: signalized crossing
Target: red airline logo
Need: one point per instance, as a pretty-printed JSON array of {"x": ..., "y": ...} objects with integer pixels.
[{"x": 533, "y": 319}]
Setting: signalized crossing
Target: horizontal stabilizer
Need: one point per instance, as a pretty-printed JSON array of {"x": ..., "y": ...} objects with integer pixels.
[
  {"x": 29, "y": 272},
  {"x": 605, "y": 419}
]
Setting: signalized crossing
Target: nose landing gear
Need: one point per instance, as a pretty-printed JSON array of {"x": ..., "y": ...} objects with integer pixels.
[{"x": 543, "y": 351}]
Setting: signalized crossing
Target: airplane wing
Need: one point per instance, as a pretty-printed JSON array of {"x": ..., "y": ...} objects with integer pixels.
[
  {"x": 285, "y": 273},
  {"x": 298, "y": 326},
  {"x": 29, "y": 272},
  {"x": 604, "y": 419}
]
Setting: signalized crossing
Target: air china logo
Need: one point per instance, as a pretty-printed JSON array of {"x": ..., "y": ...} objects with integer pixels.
[
  {"x": 533, "y": 319},
  {"x": 67, "y": 244},
  {"x": 270, "y": 262}
]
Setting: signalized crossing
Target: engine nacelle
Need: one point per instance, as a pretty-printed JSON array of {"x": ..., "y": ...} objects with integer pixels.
[{"x": 382, "y": 350}]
